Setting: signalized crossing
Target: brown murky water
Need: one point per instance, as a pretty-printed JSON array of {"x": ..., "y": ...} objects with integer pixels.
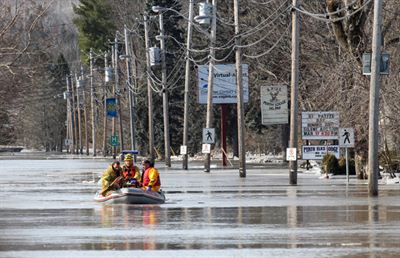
[{"x": 46, "y": 210}]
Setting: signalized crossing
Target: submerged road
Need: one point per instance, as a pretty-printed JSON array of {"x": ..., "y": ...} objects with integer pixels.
[{"x": 47, "y": 211}]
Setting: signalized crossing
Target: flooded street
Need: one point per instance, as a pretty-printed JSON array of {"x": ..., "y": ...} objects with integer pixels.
[{"x": 47, "y": 211}]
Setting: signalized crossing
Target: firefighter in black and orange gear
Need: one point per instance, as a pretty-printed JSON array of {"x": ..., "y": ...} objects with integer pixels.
[{"x": 130, "y": 172}]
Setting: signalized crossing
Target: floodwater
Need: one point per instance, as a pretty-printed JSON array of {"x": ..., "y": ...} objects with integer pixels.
[{"x": 47, "y": 211}]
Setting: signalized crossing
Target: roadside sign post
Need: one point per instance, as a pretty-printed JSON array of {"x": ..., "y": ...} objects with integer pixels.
[{"x": 346, "y": 140}]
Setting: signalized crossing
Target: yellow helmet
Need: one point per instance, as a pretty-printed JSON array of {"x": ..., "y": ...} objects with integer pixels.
[{"x": 128, "y": 157}]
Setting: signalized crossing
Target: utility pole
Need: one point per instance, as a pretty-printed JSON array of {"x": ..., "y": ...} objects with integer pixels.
[
  {"x": 294, "y": 88},
  {"x": 239, "y": 90},
  {"x": 69, "y": 115},
  {"x": 74, "y": 117},
  {"x": 187, "y": 84},
  {"x": 149, "y": 91},
  {"x": 92, "y": 99},
  {"x": 373, "y": 162},
  {"x": 79, "y": 114},
  {"x": 165, "y": 94},
  {"x": 132, "y": 115},
  {"x": 83, "y": 85},
  {"x": 105, "y": 107},
  {"x": 209, "y": 117},
  {"x": 114, "y": 121},
  {"x": 121, "y": 136}
]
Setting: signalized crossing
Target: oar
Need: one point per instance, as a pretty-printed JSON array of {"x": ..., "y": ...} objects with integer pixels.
[{"x": 111, "y": 185}]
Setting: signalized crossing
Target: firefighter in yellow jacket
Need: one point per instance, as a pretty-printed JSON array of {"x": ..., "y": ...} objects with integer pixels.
[
  {"x": 130, "y": 172},
  {"x": 151, "y": 177}
]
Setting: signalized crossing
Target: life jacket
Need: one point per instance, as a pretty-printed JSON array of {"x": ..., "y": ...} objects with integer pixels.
[
  {"x": 146, "y": 179},
  {"x": 132, "y": 172}
]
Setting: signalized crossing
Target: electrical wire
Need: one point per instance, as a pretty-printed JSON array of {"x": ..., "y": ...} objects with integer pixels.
[
  {"x": 270, "y": 49},
  {"x": 316, "y": 16}
]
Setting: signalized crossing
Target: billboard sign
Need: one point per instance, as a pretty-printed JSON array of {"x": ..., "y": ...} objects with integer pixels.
[
  {"x": 315, "y": 152},
  {"x": 274, "y": 105},
  {"x": 320, "y": 125},
  {"x": 224, "y": 84}
]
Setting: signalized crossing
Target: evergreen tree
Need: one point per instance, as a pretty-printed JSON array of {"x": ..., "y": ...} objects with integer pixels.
[
  {"x": 175, "y": 65},
  {"x": 95, "y": 25}
]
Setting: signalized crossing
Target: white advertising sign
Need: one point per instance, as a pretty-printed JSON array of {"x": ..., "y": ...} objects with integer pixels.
[
  {"x": 224, "y": 84},
  {"x": 346, "y": 137},
  {"x": 274, "y": 105},
  {"x": 318, "y": 151},
  {"x": 320, "y": 125}
]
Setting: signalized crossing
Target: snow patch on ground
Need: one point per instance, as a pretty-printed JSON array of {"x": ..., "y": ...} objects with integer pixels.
[{"x": 250, "y": 157}]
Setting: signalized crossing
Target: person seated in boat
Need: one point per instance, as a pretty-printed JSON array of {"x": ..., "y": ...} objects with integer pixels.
[
  {"x": 151, "y": 177},
  {"x": 130, "y": 172},
  {"x": 111, "y": 178}
]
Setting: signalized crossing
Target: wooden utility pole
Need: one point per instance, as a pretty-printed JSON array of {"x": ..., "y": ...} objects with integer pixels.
[
  {"x": 149, "y": 91},
  {"x": 373, "y": 159},
  {"x": 105, "y": 107},
  {"x": 82, "y": 82},
  {"x": 209, "y": 117},
  {"x": 120, "y": 131},
  {"x": 294, "y": 88},
  {"x": 92, "y": 101},
  {"x": 239, "y": 90},
  {"x": 187, "y": 84},
  {"x": 74, "y": 117},
  {"x": 167, "y": 149},
  {"x": 132, "y": 115},
  {"x": 78, "y": 99},
  {"x": 114, "y": 121},
  {"x": 69, "y": 115}
]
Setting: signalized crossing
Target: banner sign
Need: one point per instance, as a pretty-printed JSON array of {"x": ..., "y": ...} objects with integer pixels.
[
  {"x": 274, "y": 105},
  {"x": 111, "y": 104},
  {"x": 318, "y": 151},
  {"x": 320, "y": 125},
  {"x": 224, "y": 84}
]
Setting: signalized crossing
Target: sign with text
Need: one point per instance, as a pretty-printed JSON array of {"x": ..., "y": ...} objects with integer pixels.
[
  {"x": 274, "y": 105},
  {"x": 114, "y": 140},
  {"x": 111, "y": 104},
  {"x": 320, "y": 125},
  {"x": 346, "y": 137},
  {"x": 224, "y": 84},
  {"x": 318, "y": 151}
]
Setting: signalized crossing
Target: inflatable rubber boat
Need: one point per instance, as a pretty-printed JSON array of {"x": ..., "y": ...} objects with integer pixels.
[{"x": 131, "y": 196}]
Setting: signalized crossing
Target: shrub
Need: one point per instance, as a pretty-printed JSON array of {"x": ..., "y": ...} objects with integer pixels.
[
  {"x": 330, "y": 164},
  {"x": 342, "y": 166}
]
